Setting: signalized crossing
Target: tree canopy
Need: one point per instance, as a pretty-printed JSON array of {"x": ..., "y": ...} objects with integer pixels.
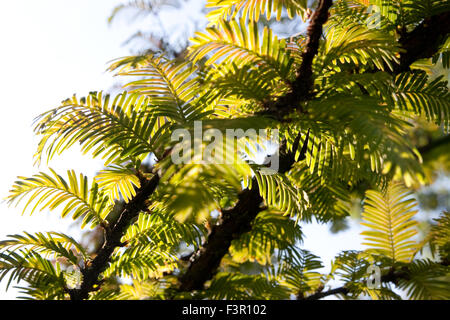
[{"x": 343, "y": 100}]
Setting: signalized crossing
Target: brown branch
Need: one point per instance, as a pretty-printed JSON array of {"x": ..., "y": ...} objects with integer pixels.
[
  {"x": 424, "y": 41},
  {"x": 393, "y": 276},
  {"x": 323, "y": 294},
  {"x": 237, "y": 220},
  {"x": 303, "y": 85},
  {"x": 131, "y": 210},
  {"x": 444, "y": 140},
  {"x": 233, "y": 223}
]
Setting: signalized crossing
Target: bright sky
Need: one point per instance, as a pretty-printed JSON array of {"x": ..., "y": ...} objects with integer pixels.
[{"x": 52, "y": 49}]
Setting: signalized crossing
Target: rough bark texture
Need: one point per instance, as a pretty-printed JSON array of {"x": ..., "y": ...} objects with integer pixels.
[
  {"x": 393, "y": 276},
  {"x": 303, "y": 84},
  {"x": 237, "y": 220},
  {"x": 113, "y": 235},
  {"x": 422, "y": 42},
  {"x": 233, "y": 223},
  {"x": 304, "y": 81}
]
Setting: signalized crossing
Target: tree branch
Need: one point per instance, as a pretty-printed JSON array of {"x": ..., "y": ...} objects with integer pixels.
[
  {"x": 434, "y": 144},
  {"x": 234, "y": 222},
  {"x": 424, "y": 41},
  {"x": 237, "y": 220},
  {"x": 393, "y": 276},
  {"x": 303, "y": 84},
  {"x": 323, "y": 294},
  {"x": 131, "y": 210}
]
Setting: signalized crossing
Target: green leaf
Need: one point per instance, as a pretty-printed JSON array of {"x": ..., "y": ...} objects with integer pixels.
[
  {"x": 51, "y": 191},
  {"x": 252, "y": 9},
  {"x": 388, "y": 217},
  {"x": 120, "y": 129}
]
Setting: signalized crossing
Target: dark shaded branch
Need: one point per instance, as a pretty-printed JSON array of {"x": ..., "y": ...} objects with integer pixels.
[
  {"x": 302, "y": 86},
  {"x": 424, "y": 41},
  {"x": 233, "y": 223},
  {"x": 303, "y": 83},
  {"x": 237, "y": 220},
  {"x": 113, "y": 235},
  {"x": 323, "y": 294},
  {"x": 393, "y": 276},
  {"x": 434, "y": 144}
]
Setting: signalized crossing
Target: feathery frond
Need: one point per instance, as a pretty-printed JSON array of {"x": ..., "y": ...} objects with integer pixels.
[
  {"x": 427, "y": 280},
  {"x": 170, "y": 86},
  {"x": 252, "y": 9},
  {"x": 45, "y": 280},
  {"x": 50, "y": 244},
  {"x": 236, "y": 286},
  {"x": 234, "y": 41},
  {"x": 388, "y": 215},
  {"x": 117, "y": 130},
  {"x": 118, "y": 182},
  {"x": 414, "y": 93},
  {"x": 270, "y": 232},
  {"x": 51, "y": 191}
]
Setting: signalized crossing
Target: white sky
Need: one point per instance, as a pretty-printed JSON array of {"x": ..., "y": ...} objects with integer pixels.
[{"x": 51, "y": 49}]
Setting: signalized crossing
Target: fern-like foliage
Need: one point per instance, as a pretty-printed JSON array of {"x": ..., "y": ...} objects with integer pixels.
[
  {"x": 45, "y": 281},
  {"x": 235, "y": 286},
  {"x": 172, "y": 87},
  {"x": 345, "y": 141},
  {"x": 298, "y": 271},
  {"x": 118, "y": 182},
  {"x": 51, "y": 244},
  {"x": 358, "y": 46},
  {"x": 279, "y": 192},
  {"x": 151, "y": 244},
  {"x": 432, "y": 99},
  {"x": 388, "y": 215},
  {"x": 438, "y": 238},
  {"x": 270, "y": 233},
  {"x": 353, "y": 268},
  {"x": 242, "y": 44},
  {"x": 73, "y": 197},
  {"x": 427, "y": 280},
  {"x": 117, "y": 129},
  {"x": 252, "y": 9},
  {"x": 163, "y": 229},
  {"x": 407, "y": 13}
]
